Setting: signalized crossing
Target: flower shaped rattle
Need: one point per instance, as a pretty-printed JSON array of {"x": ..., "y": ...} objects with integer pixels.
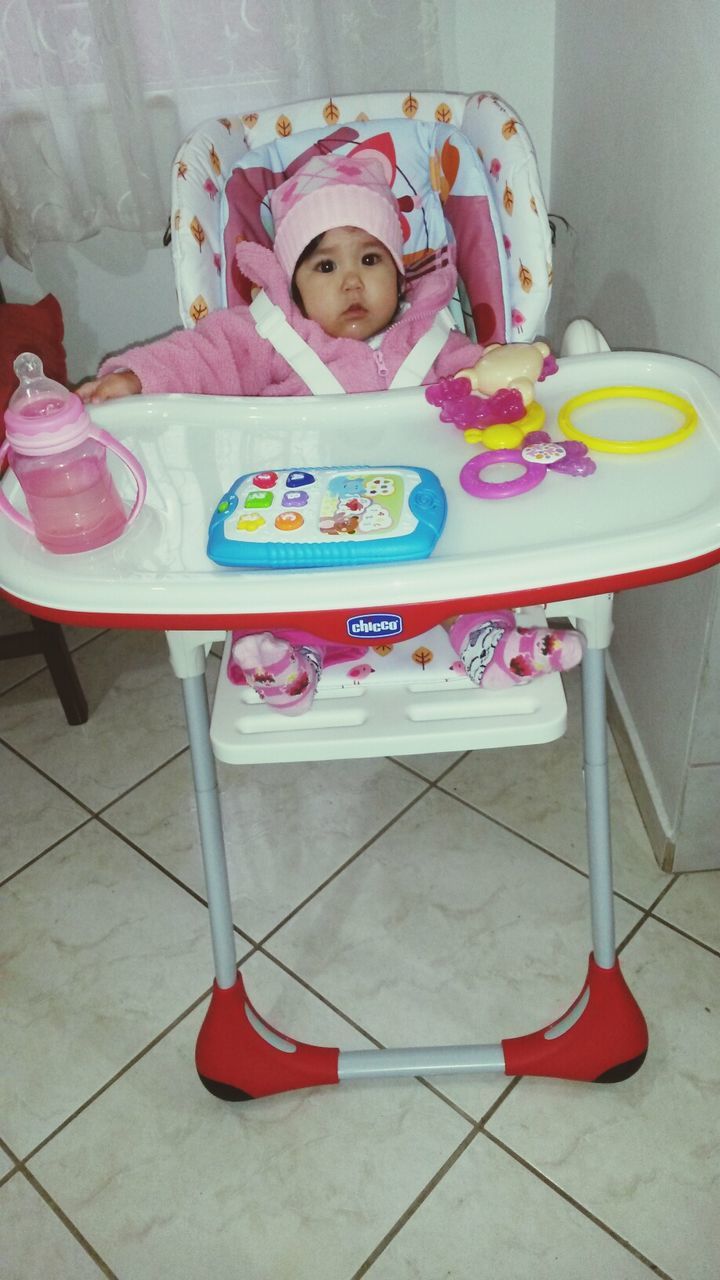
[
  {"x": 569, "y": 458},
  {"x": 538, "y": 456}
]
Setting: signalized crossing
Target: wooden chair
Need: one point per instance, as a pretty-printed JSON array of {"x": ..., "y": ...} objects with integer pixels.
[{"x": 43, "y": 637}]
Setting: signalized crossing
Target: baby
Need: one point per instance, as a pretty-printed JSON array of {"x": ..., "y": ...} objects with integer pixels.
[{"x": 333, "y": 312}]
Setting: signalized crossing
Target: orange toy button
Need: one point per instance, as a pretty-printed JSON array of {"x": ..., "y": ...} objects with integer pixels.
[{"x": 288, "y": 521}]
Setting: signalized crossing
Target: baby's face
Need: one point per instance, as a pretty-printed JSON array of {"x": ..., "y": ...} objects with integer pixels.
[{"x": 348, "y": 284}]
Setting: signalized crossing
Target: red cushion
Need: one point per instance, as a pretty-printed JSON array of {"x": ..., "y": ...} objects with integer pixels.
[{"x": 36, "y": 327}]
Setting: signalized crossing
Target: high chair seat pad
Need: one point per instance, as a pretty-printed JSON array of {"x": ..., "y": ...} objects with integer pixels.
[
  {"x": 442, "y": 189},
  {"x": 470, "y": 148}
]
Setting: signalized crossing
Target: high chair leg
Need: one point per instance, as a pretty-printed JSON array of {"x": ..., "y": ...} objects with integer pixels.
[
  {"x": 597, "y": 807},
  {"x": 602, "y": 1036},
  {"x": 207, "y": 800}
]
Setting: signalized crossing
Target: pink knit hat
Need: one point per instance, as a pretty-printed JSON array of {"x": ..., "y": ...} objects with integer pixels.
[{"x": 335, "y": 191}]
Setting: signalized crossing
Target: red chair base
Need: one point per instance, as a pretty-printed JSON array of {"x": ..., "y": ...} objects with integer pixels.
[
  {"x": 603, "y": 1037},
  {"x": 239, "y": 1056}
]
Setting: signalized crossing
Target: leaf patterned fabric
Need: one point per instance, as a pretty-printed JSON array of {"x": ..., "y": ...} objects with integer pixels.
[{"x": 209, "y": 157}]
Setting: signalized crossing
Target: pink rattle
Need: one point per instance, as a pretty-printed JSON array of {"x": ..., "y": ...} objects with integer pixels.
[
  {"x": 539, "y": 455},
  {"x": 534, "y": 473}
]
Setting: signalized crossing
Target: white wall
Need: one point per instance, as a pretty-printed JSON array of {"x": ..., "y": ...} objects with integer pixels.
[
  {"x": 635, "y": 171},
  {"x": 116, "y": 290}
]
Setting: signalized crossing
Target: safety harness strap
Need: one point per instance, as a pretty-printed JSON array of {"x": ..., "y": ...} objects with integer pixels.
[
  {"x": 272, "y": 324},
  {"x": 424, "y": 353}
]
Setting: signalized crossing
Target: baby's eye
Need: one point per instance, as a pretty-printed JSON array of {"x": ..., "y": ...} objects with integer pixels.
[
  {"x": 371, "y": 259},
  {"x": 325, "y": 265}
]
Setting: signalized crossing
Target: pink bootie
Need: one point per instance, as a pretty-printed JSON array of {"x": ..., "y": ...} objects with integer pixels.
[
  {"x": 285, "y": 675},
  {"x": 497, "y": 653}
]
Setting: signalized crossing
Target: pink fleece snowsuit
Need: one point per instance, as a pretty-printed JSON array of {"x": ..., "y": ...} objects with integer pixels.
[{"x": 225, "y": 355}]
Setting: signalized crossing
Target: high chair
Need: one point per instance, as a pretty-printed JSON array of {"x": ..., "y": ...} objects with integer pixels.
[
  {"x": 619, "y": 529},
  {"x": 504, "y": 261}
]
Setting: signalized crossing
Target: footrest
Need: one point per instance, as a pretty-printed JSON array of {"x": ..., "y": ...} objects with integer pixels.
[{"x": 398, "y": 699}]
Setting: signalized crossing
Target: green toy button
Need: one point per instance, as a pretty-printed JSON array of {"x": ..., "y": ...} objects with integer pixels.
[
  {"x": 223, "y": 506},
  {"x": 258, "y": 498}
]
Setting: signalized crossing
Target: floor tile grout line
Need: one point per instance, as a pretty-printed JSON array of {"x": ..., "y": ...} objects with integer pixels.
[
  {"x": 675, "y": 928},
  {"x": 416, "y": 772},
  {"x": 318, "y": 995},
  {"x": 503, "y": 826},
  {"x": 415, "y": 1204},
  {"x": 347, "y": 863},
  {"x": 44, "y": 853},
  {"x": 122, "y": 1071},
  {"x": 355, "y": 1026},
  {"x": 108, "y": 804},
  {"x": 429, "y": 784},
  {"x": 363, "y": 1031},
  {"x": 649, "y": 914},
  {"x": 576, "y": 1204},
  {"x": 556, "y": 857},
  {"x": 67, "y": 1222},
  {"x": 169, "y": 875},
  {"x": 495, "y": 1106},
  {"x": 142, "y": 853},
  {"x": 459, "y": 1110},
  {"x": 48, "y": 777}
]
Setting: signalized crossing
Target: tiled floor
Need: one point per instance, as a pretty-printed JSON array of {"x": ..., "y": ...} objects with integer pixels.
[{"x": 423, "y": 900}]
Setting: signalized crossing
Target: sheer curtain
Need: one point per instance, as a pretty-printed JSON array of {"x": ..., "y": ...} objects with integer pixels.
[{"x": 95, "y": 95}]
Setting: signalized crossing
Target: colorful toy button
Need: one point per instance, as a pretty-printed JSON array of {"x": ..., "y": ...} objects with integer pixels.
[
  {"x": 265, "y": 479},
  {"x": 288, "y": 521},
  {"x": 295, "y": 498},
  {"x": 543, "y": 452},
  {"x": 258, "y": 498},
  {"x": 295, "y": 479},
  {"x": 223, "y": 506},
  {"x": 250, "y": 523}
]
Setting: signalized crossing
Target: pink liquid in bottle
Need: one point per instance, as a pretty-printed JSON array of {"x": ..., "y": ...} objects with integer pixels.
[
  {"x": 72, "y": 499},
  {"x": 60, "y": 460}
]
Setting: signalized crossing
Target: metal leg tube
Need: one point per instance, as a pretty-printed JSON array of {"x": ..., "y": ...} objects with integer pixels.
[
  {"x": 443, "y": 1060},
  {"x": 597, "y": 804},
  {"x": 207, "y": 799}
]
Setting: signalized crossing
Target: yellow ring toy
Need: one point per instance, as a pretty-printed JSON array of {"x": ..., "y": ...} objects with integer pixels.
[
  {"x": 688, "y": 425},
  {"x": 508, "y": 435}
]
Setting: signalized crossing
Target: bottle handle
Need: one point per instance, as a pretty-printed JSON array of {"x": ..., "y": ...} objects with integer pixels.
[
  {"x": 7, "y": 506},
  {"x": 104, "y": 437}
]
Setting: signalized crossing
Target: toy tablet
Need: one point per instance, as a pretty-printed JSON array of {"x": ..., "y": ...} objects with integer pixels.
[{"x": 326, "y": 516}]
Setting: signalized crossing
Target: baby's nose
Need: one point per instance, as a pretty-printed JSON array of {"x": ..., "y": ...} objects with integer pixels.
[{"x": 352, "y": 279}]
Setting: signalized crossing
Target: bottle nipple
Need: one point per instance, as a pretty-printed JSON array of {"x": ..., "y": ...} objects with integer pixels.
[{"x": 36, "y": 394}]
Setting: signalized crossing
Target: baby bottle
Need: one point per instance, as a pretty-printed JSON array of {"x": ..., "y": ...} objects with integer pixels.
[{"x": 60, "y": 460}]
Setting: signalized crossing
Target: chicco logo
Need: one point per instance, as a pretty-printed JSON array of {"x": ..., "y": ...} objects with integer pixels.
[{"x": 365, "y": 625}]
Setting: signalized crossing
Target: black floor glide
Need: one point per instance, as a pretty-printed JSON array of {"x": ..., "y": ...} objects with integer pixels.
[
  {"x": 622, "y": 1071},
  {"x": 227, "y": 1092}
]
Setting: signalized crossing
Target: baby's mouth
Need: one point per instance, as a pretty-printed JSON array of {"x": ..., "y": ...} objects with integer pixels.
[{"x": 355, "y": 310}]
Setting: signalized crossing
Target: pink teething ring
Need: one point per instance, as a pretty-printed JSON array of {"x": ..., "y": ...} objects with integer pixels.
[{"x": 533, "y": 474}]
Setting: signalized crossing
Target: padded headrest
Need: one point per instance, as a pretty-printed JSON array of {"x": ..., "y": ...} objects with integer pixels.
[{"x": 441, "y": 187}]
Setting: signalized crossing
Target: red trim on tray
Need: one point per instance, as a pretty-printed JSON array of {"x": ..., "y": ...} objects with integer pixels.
[{"x": 331, "y": 623}]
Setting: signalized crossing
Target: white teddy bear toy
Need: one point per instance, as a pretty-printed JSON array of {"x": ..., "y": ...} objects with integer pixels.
[{"x": 516, "y": 366}]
